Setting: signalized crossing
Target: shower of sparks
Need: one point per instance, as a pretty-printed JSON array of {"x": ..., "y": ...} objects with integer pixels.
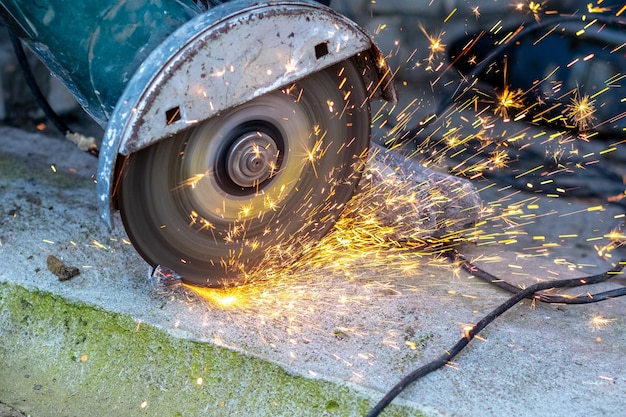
[
  {"x": 378, "y": 230},
  {"x": 581, "y": 112},
  {"x": 387, "y": 223}
]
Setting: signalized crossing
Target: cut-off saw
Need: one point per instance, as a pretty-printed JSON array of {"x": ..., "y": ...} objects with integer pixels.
[{"x": 235, "y": 132}]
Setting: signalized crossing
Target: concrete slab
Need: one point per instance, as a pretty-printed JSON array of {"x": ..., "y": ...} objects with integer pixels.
[
  {"x": 326, "y": 338},
  {"x": 329, "y": 336}
]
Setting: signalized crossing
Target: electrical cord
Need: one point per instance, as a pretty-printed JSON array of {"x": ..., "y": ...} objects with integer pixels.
[
  {"x": 54, "y": 118},
  {"x": 545, "y": 298},
  {"x": 531, "y": 292}
]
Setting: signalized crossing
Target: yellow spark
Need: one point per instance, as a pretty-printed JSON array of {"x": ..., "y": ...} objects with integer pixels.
[
  {"x": 205, "y": 224},
  {"x": 450, "y": 15},
  {"x": 508, "y": 100},
  {"x": 291, "y": 66},
  {"x": 317, "y": 151},
  {"x": 99, "y": 245},
  {"x": 598, "y": 322},
  {"x": 595, "y": 9},
  {"x": 191, "y": 182},
  {"x": 193, "y": 216},
  {"x": 476, "y": 12},
  {"x": 499, "y": 159},
  {"x": 245, "y": 210},
  {"x": 435, "y": 44},
  {"x": 616, "y": 236},
  {"x": 532, "y": 6},
  {"x": 581, "y": 112}
]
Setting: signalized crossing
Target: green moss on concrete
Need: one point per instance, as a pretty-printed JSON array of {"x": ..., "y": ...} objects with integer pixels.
[
  {"x": 63, "y": 359},
  {"x": 16, "y": 169}
]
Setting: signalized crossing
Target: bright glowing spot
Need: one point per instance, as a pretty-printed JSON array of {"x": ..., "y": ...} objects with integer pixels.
[
  {"x": 581, "y": 112},
  {"x": 598, "y": 322},
  {"x": 291, "y": 66},
  {"x": 223, "y": 298},
  {"x": 508, "y": 100},
  {"x": 435, "y": 45},
  {"x": 499, "y": 159}
]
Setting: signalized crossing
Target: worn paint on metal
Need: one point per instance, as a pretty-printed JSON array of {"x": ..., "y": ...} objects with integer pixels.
[{"x": 226, "y": 57}]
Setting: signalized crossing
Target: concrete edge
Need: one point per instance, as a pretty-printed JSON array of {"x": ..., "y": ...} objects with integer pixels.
[{"x": 60, "y": 358}]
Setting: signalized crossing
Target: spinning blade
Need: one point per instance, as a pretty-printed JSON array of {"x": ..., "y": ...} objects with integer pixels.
[{"x": 252, "y": 187}]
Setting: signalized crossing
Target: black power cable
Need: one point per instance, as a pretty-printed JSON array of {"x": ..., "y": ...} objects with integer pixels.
[
  {"x": 531, "y": 292},
  {"x": 544, "y": 298}
]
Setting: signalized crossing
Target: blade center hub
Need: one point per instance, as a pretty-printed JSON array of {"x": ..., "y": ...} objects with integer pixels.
[{"x": 252, "y": 159}]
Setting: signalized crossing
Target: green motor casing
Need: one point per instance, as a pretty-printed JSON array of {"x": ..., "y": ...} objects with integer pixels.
[{"x": 95, "y": 46}]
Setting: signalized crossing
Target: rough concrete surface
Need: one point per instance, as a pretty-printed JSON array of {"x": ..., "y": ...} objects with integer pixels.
[
  {"x": 353, "y": 332},
  {"x": 331, "y": 335}
]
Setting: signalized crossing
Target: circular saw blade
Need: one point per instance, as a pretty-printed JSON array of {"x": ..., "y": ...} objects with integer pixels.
[{"x": 251, "y": 188}]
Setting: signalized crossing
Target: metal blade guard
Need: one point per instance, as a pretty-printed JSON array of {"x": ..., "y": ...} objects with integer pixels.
[{"x": 234, "y": 133}]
